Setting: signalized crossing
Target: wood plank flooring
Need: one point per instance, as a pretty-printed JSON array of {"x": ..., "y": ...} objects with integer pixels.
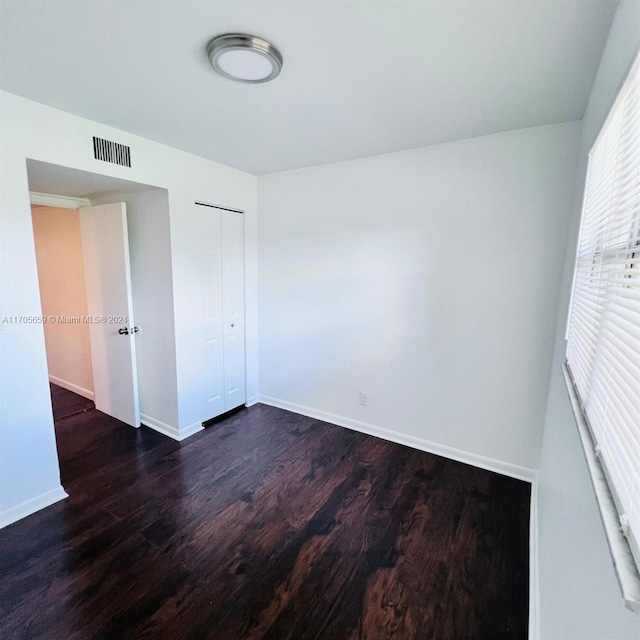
[
  {"x": 65, "y": 403},
  {"x": 266, "y": 526}
]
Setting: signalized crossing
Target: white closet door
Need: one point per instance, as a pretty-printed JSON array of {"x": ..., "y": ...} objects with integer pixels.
[
  {"x": 233, "y": 308},
  {"x": 210, "y": 258}
]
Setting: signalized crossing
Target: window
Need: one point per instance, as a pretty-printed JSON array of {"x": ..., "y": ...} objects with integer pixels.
[{"x": 603, "y": 336}]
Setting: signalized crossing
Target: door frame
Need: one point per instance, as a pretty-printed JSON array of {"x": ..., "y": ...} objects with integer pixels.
[
  {"x": 75, "y": 204},
  {"x": 211, "y": 205}
]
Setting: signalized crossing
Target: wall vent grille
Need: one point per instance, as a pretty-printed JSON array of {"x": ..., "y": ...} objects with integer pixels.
[{"x": 109, "y": 151}]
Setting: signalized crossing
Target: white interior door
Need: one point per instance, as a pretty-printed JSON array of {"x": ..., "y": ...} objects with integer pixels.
[
  {"x": 233, "y": 308},
  {"x": 105, "y": 246}
]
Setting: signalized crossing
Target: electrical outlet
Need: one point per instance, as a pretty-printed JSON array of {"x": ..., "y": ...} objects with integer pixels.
[{"x": 364, "y": 398}]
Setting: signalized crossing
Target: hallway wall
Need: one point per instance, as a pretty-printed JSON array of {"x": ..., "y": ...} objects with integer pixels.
[{"x": 63, "y": 296}]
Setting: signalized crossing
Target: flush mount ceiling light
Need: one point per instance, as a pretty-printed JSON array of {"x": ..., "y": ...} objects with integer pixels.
[{"x": 244, "y": 58}]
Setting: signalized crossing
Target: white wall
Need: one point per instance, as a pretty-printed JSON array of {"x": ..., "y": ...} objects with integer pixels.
[
  {"x": 578, "y": 593},
  {"x": 148, "y": 222},
  {"x": 29, "y": 474},
  {"x": 60, "y": 261},
  {"x": 429, "y": 280}
]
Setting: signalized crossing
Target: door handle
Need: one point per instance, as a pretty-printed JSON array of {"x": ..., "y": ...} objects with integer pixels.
[
  {"x": 232, "y": 325},
  {"x": 135, "y": 329},
  {"x": 124, "y": 331}
]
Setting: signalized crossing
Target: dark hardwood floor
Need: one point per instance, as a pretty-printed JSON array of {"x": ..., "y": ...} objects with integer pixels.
[
  {"x": 65, "y": 403},
  {"x": 266, "y": 526}
]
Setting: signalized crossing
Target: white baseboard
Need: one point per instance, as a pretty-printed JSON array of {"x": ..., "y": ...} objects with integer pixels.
[
  {"x": 251, "y": 401},
  {"x": 162, "y": 427},
  {"x": 69, "y": 386},
  {"x": 168, "y": 430},
  {"x": 187, "y": 432},
  {"x": 32, "y": 505},
  {"x": 534, "y": 593},
  {"x": 477, "y": 460}
]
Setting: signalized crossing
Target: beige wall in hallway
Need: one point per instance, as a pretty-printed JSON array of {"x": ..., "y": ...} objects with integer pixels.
[{"x": 62, "y": 292}]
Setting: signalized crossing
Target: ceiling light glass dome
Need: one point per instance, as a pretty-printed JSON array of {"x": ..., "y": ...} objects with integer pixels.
[{"x": 244, "y": 58}]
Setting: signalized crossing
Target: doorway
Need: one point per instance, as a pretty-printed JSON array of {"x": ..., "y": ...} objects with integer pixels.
[
  {"x": 82, "y": 248},
  {"x": 61, "y": 277}
]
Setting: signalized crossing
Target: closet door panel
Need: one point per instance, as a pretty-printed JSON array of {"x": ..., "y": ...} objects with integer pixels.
[
  {"x": 213, "y": 326},
  {"x": 206, "y": 276},
  {"x": 232, "y": 225}
]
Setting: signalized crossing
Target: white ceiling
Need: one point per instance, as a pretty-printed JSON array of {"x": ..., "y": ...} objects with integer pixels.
[{"x": 360, "y": 78}]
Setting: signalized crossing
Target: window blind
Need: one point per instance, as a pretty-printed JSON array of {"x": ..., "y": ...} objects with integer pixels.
[{"x": 603, "y": 347}]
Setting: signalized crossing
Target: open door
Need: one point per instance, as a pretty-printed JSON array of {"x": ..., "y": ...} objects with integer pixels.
[{"x": 105, "y": 246}]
